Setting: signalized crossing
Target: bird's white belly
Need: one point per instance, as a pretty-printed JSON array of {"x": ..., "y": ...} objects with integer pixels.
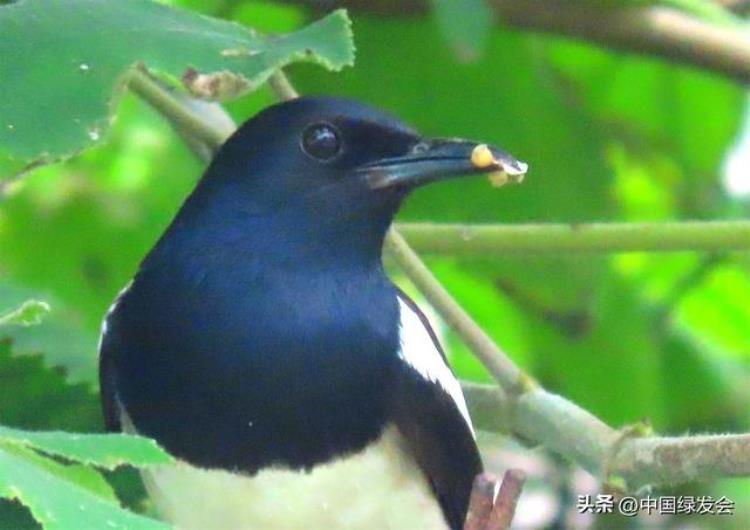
[{"x": 380, "y": 488}]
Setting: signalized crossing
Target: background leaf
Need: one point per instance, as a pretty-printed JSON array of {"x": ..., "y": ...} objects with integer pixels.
[
  {"x": 36, "y": 396},
  {"x": 30, "y": 313},
  {"x": 465, "y": 24}
]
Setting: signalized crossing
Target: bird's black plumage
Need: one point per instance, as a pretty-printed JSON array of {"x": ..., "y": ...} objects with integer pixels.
[{"x": 262, "y": 331}]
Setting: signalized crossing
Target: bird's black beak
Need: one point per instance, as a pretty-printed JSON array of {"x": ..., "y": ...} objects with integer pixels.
[{"x": 431, "y": 160}]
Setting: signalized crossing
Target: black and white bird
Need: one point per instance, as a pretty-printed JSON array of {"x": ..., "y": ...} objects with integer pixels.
[{"x": 262, "y": 344}]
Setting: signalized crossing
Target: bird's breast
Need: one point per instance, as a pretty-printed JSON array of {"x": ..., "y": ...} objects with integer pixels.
[{"x": 378, "y": 488}]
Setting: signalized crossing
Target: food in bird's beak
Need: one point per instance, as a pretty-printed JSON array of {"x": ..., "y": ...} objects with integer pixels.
[
  {"x": 498, "y": 178},
  {"x": 482, "y": 157}
]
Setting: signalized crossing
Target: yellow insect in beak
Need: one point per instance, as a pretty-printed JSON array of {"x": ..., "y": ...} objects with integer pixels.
[{"x": 482, "y": 157}]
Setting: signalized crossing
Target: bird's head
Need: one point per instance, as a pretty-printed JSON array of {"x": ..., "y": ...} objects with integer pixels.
[{"x": 334, "y": 167}]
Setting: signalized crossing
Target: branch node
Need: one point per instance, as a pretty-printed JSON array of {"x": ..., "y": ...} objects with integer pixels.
[{"x": 614, "y": 483}]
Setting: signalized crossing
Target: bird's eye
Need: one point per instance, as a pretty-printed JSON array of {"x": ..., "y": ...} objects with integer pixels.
[{"x": 321, "y": 141}]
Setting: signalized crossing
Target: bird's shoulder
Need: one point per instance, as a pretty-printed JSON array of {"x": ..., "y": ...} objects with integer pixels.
[
  {"x": 428, "y": 407},
  {"x": 422, "y": 351}
]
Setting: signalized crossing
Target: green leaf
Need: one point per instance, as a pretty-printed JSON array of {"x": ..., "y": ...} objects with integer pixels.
[
  {"x": 62, "y": 336},
  {"x": 690, "y": 115},
  {"x": 117, "y": 199},
  {"x": 707, "y": 392},
  {"x": 64, "y": 104},
  {"x": 35, "y": 396},
  {"x": 465, "y": 24},
  {"x": 103, "y": 450},
  {"x": 16, "y": 516},
  {"x": 716, "y": 313},
  {"x": 610, "y": 366},
  {"x": 30, "y": 313},
  {"x": 60, "y": 504},
  {"x": 494, "y": 312},
  {"x": 84, "y": 476}
]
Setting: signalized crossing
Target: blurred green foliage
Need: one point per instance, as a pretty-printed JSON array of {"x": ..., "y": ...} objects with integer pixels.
[{"x": 608, "y": 137}]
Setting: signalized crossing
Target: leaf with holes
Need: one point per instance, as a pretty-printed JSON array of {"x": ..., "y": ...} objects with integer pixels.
[{"x": 52, "y": 108}]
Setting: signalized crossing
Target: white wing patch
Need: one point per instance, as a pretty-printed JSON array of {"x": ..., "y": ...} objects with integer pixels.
[{"x": 419, "y": 350}]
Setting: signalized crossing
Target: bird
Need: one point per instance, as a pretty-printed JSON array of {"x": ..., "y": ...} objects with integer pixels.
[{"x": 262, "y": 344}]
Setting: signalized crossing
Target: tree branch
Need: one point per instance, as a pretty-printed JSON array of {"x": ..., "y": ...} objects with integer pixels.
[
  {"x": 682, "y": 459},
  {"x": 735, "y": 6},
  {"x": 481, "y": 501},
  {"x": 655, "y": 31},
  {"x": 281, "y": 86},
  {"x": 491, "y": 508},
  {"x": 186, "y": 114},
  {"x": 507, "y": 498},
  {"x": 541, "y": 417},
  {"x": 484, "y": 240},
  {"x": 650, "y": 30}
]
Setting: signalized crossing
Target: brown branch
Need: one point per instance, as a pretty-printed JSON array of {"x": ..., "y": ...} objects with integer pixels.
[
  {"x": 481, "y": 501},
  {"x": 507, "y": 498},
  {"x": 651, "y": 30},
  {"x": 655, "y": 31},
  {"x": 491, "y": 508},
  {"x": 735, "y": 6}
]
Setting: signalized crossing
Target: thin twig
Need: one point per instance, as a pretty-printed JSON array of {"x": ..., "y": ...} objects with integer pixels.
[
  {"x": 281, "y": 85},
  {"x": 501, "y": 240},
  {"x": 497, "y": 362},
  {"x": 180, "y": 114}
]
